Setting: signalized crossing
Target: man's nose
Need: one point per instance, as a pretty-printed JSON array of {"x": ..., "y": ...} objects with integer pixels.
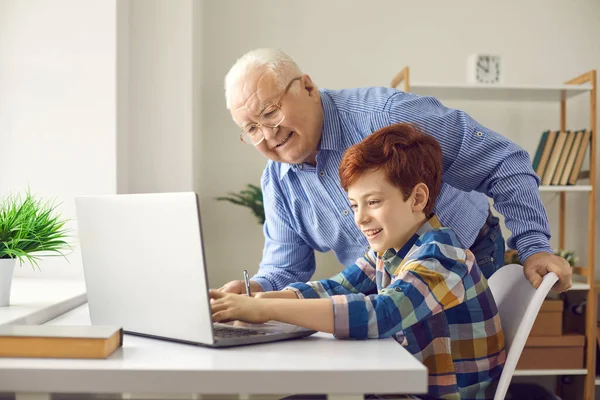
[{"x": 269, "y": 133}]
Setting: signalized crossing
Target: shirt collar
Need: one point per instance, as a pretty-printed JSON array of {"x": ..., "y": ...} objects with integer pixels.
[
  {"x": 331, "y": 138},
  {"x": 331, "y": 135},
  {"x": 394, "y": 258}
]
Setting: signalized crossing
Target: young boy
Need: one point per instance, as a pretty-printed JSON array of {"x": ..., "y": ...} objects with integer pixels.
[{"x": 417, "y": 283}]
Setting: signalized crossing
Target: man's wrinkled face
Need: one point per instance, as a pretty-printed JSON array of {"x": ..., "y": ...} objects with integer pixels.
[{"x": 296, "y": 139}]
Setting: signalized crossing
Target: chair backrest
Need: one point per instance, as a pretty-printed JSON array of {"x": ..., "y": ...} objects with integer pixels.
[{"x": 518, "y": 304}]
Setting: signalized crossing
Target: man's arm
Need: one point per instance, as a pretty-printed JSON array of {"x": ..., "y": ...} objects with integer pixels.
[
  {"x": 286, "y": 257},
  {"x": 477, "y": 158}
]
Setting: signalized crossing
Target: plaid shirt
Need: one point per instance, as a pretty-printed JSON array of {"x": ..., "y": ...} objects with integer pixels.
[{"x": 432, "y": 298}]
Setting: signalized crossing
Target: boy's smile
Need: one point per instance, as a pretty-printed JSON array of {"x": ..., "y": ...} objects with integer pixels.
[{"x": 382, "y": 213}]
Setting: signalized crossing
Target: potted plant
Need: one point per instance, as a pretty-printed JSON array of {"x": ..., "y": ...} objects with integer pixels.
[
  {"x": 251, "y": 198},
  {"x": 29, "y": 228}
]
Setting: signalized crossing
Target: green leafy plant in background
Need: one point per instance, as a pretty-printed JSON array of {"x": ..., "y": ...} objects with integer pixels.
[
  {"x": 251, "y": 198},
  {"x": 568, "y": 255},
  {"x": 512, "y": 257},
  {"x": 30, "y": 228}
]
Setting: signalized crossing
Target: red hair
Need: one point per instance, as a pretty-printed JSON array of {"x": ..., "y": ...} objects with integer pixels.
[{"x": 407, "y": 156}]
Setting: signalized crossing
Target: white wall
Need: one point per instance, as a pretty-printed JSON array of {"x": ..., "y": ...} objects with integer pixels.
[
  {"x": 58, "y": 105},
  {"x": 74, "y": 73},
  {"x": 344, "y": 43},
  {"x": 156, "y": 92}
]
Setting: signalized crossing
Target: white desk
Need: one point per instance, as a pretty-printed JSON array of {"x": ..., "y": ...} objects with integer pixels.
[
  {"x": 34, "y": 301},
  {"x": 319, "y": 364}
]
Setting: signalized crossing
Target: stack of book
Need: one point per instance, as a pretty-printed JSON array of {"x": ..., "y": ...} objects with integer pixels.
[
  {"x": 559, "y": 156},
  {"x": 59, "y": 341}
]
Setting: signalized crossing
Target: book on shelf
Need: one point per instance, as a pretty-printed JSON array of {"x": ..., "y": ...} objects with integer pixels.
[
  {"x": 559, "y": 156},
  {"x": 546, "y": 144},
  {"x": 557, "y": 149},
  {"x": 59, "y": 341},
  {"x": 562, "y": 160},
  {"x": 564, "y": 177},
  {"x": 574, "y": 173}
]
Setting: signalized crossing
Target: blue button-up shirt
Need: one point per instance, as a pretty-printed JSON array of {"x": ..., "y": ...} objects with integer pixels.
[{"x": 306, "y": 209}]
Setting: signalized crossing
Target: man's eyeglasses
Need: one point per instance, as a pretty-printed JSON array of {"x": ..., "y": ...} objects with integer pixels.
[{"x": 271, "y": 117}]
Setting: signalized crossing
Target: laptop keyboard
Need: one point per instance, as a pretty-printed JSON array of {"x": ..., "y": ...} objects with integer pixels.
[{"x": 228, "y": 332}]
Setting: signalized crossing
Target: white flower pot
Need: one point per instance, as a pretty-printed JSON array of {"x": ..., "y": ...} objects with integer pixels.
[{"x": 7, "y": 266}]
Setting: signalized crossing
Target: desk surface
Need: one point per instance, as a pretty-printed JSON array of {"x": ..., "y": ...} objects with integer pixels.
[
  {"x": 318, "y": 364},
  {"x": 34, "y": 301}
]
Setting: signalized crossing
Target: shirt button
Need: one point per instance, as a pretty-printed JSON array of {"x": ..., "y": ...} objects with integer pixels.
[
  {"x": 322, "y": 173},
  {"x": 345, "y": 212},
  {"x": 480, "y": 134},
  {"x": 492, "y": 259}
]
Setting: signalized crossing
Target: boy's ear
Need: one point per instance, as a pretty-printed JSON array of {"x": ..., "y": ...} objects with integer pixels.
[{"x": 420, "y": 197}]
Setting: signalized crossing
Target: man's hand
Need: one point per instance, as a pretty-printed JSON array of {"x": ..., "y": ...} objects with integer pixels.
[
  {"x": 539, "y": 264},
  {"x": 231, "y": 307},
  {"x": 238, "y": 287},
  {"x": 282, "y": 294}
]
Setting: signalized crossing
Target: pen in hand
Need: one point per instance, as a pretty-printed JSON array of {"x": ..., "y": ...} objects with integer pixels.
[{"x": 247, "y": 282}]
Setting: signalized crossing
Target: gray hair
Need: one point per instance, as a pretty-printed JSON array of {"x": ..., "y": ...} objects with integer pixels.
[{"x": 275, "y": 61}]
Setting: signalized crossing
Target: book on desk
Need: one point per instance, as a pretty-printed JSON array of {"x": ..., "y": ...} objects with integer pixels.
[{"x": 59, "y": 341}]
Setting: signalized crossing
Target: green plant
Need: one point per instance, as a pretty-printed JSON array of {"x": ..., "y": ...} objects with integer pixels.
[
  {"x": 568, "y": 255},
  {"x": 29, "y": 226},
  {"x": 251, "y": 198}
]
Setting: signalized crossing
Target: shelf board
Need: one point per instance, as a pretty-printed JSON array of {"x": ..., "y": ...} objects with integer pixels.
[
  {"x": 499, "y": 92},
  {"x": 579, "y": 286},
  {"x": 571, "y": 188},
  {"x": 549, "y": 372}
]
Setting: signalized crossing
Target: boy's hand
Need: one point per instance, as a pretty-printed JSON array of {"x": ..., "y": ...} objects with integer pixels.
[
  {"x": 230, "y": 307},
  {"x": 282, "y": 294}
]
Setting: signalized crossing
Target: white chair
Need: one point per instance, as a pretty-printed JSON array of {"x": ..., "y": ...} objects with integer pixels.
[{"x": 518, "y": 304}]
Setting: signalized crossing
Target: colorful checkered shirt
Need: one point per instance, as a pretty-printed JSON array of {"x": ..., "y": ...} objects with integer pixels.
[{"x": 432, "y": 298}]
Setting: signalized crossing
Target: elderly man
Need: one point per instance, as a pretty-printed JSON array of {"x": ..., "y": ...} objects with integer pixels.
[{"x": 304, "y": 131}]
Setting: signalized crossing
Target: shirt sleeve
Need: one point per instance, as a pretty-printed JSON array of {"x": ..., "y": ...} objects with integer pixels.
[
  {"x": 286, "y": 257},
  {"x": 357, "y": 278},
  {"x": 432, "y": 281},
  {"x": 477, "y": 158}
]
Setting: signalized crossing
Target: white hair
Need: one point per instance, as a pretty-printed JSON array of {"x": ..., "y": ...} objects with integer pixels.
[{"x": 275, "y": 61}]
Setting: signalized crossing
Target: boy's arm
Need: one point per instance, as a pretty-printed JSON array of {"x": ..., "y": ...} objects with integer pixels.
[
  {"x": 425, "y": 287},
  {"x": 357, "y": 278},
  {"x": 431, "y": 282},
  {"x": 314, "y": 314}
]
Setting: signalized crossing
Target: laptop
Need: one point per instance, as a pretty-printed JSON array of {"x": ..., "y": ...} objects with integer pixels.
[{"x": 145, "y": 270}]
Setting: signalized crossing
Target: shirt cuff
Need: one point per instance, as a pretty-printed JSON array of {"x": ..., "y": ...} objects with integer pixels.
[
  {"x": 265, "y": 284},
  {"x": 531, "y": 244},
  {"x": 303, "y": 290},
  {"x": 341, "y": 317}
]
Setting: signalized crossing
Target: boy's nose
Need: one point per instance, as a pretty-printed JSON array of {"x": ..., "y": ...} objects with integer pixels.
[{"x": 361, "y": 217}]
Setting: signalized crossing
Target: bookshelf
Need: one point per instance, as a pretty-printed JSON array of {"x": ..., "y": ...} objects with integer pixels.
[{"x": 583, "y": 280}]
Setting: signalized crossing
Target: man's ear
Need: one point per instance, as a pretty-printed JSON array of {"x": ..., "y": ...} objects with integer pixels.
[
  {"x": 309, "y": 86},
  {"x": 420, "y": 196}
]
